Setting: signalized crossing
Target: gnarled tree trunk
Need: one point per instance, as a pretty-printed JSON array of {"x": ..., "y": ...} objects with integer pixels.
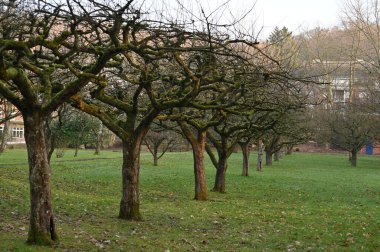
[
  {"x": 245, "y": 150},
  {"x": 130, "y": 200},
  {"x": 198, "y": 144},
  {"x": 154, "y": 151},
  {"x": 42, "y": 229},
  {"x": 354, "y": 158},
  {"x": 259, "y": 164},
  {"x": 76, "y": 150},
  {"x": 199, "y": 166},
  {"x": 155, "y": 159},
  {"x": 4, "y": 137},
  {"x": 268, "y": 158},
  {"x": 99, "y": 140},
  {"x": 49, "y": 139},
  {"x": 220, "y": 178}
]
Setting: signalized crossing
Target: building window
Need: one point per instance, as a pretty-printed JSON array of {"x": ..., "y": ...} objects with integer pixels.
[
  {"x": 1, "y": 129},
  {"x": 18, "y": 132}
]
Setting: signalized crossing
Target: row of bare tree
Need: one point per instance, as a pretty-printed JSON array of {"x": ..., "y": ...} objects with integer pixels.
[
  {"x": 131, "y": 66},
  {"x": 118, "y": 64}
]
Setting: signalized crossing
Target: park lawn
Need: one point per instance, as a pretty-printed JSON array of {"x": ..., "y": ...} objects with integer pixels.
[{"x": 305, "y": 202}]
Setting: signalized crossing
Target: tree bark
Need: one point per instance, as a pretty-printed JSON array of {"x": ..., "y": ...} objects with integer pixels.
[
  {"x": 48, "y": 139},
  {"x": 155, "y": 159},
  {"x": 97, "y": 149},
  {"x": 50, "y": 153},
  {"x": 4, "y": 137},
  {"x": 79, "y": 141},
  {"x": 354, "y": 158},
  {"x": 99, "y": 140},
  {"x": 220, "y": 178},
  {"x": 259, "y": 164},
  {"x": 76, "y": 150},
  {"x": 198, "y": 144},
  {"x": 245, "y": 150},
  {"x": 199, "y": 167},
  {"x": 130, "y": 201},
  {"x": 268, "y": 158},
  {"x": 277, "y": 156},
  {"x": 155, "y": 153},
  {"x": 42, "y": 229}
]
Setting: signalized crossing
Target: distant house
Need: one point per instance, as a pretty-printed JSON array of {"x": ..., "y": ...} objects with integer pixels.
[
  {"x": 15, "y": 124},
  {"x": 347, "y": 82},
  {"x": 350, "y": 82}
]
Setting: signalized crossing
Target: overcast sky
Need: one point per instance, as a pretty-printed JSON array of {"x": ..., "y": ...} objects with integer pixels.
[{"x": 296, "y": 14}]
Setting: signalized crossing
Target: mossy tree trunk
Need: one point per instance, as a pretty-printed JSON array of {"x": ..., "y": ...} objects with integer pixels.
[
  {"x": 132, "y": 132},
  {"x": 220, "y": 178},
  {"x": 153, "y": 149},
  {"x": 199, "y": 166},
  {"x": 5, "y": 133},
  {"x": 4, "y": 137},
  {"x": 354, "y": 158},
  {"x": 130, "y": 202},
  {"x": 271, "y": 146},
  {"x": 155, "y": 159},
  {"x": 35, "y": 87},
  {"x": 268, "y": 157},
  {"x": 259, "y": 164},
  {"x": 99, "y": 140},
  {"x": 198, "y": 144},
  {"x": 245, "y": 150},
  {"x": 49, "y": 138},
  {"x": 42, "y": 229},
  {"x": 225, "y": 148}
]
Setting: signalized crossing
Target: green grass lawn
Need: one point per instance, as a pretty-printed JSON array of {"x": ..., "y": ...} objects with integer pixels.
[{"x": 305, "y": 202}]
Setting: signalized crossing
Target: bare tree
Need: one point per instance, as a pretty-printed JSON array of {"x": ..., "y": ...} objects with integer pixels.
[
  {"x": 347, "y": 131},
  {"x": 224, "y": 138},
  {"x": 49, "y": 52},
  {"x": 159, "y": 140},
  {"x": 290, "y": 129},
  {"x": 167, "y": 67},
  {"x": 154, "y": 77},
  {"x": 362, "y": 19},
  {"x": 7, "y": 113}
]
